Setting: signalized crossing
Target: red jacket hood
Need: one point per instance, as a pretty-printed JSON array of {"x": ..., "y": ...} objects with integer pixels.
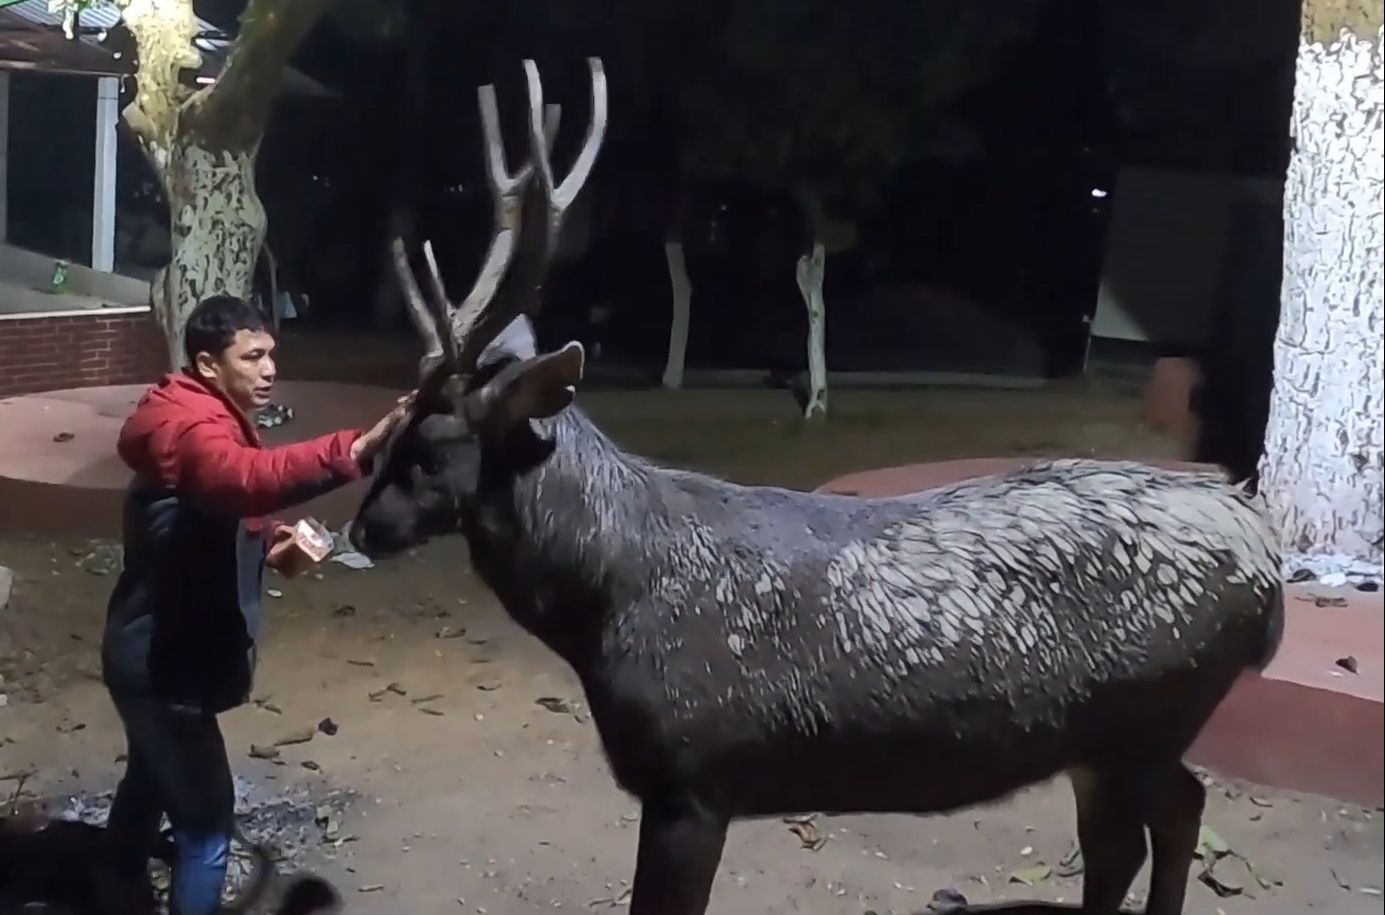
[{"x": 178, "y": 399}]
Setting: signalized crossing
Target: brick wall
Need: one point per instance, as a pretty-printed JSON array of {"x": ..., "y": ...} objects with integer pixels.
[{"x": 78, "y": 351}]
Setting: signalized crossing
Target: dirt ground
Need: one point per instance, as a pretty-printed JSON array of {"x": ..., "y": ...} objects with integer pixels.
[{"x": 481, "y": 785}]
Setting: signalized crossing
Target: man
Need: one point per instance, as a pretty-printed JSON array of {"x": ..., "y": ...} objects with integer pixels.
[{"x": 179, "y": 645}]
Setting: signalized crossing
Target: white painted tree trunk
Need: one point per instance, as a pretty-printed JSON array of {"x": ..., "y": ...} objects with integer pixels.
[
  {"x": 682, "y": 314},
  {"x": 218, "y": 229},
  {"x": 1322, "y": 470},
  {"x": 811, "y": 269}
]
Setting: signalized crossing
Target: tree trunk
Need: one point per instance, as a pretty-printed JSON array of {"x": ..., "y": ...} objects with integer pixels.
[
  {"x": 273, "y": 264},
  {"x": 1322, "y": 470},
  {"x": 811, "y": 269},
  {"x": 682, "y": 313},
  {"x": 388, "y": 305},
  {"x": 218, "y": 230},
  {"x": 202, "y": 143}
]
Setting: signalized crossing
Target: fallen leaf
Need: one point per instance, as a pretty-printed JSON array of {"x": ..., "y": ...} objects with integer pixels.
[
  {"x": 396, "y": 689},
  {"x": 1348, "y": 664},
  {"x": 431, "y": 697},
  {"x": 63, "y": 437},
  {"x": 554, "y": 704},
  {"x": 328, "y": 727},
  {"x": 611, "y": 902},
  {"x": 259, "y": 752},
  {"x": 310, "y": 765},
  {"x": 1266, "y": 881},
  {"x": 1222, "y": 882},
  {"x": 300, "y": 736},
  {"x": 430, "y": 711},
  {"x": 808, "y": 834},
  {"x": 488, "y": 686},
  {"x": 1071, "y": 864},
  {"x": 344, "y": 610},
  {"x": 1031, "y": 875},
  {"x": 1211, "y": 846}
]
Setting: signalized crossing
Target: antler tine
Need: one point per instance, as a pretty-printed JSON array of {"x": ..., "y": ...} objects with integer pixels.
[
  {"x": 508, "y": 190},
  {"x": 560, "y": 197},
  {"x": 425, "y": 318},
  {"x": 440, "y": 299}
]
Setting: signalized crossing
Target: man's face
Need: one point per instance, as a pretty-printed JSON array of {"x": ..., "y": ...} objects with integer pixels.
[{"x": 244, "y": 371}]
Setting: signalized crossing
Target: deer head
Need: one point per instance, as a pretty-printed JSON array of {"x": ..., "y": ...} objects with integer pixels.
[{"x": 482, "y": 381}]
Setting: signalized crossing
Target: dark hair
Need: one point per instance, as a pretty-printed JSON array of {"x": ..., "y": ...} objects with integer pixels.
[{"x": 213, "y": 324}]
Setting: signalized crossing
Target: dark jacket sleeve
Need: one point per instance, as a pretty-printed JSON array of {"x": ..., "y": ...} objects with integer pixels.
[{"x": 208, "y": 462}]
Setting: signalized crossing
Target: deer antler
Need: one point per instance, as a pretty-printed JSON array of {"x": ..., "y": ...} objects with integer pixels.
[{"x": 457, "y": 335}]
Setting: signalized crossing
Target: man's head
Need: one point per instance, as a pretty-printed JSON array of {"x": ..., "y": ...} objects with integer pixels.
[{"x": 229, "y": 346}]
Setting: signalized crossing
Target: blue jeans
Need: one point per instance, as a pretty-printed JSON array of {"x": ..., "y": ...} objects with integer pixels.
[{"x": 176, "y": 764}]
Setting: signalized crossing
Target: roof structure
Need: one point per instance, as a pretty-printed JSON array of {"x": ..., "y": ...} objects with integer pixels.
[{"x": 32, "y": 39}]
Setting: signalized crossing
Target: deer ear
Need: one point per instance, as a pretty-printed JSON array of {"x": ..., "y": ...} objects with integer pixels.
[{"x": 534, "y": 388}]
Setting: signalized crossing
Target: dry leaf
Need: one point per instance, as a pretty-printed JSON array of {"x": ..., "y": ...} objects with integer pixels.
[
  {"x": 1031, "y": 875},
  {"x": 300, "y": 736}
]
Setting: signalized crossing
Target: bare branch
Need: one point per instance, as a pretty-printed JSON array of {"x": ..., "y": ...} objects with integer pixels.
[{"x": 232, "y": 112}]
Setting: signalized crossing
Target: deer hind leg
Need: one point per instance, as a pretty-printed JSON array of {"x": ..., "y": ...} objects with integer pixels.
[
  {"x": 679, "y": 852},
  {"x": 1111, "y": 833},
  {"x": 1173, "y": 813}
]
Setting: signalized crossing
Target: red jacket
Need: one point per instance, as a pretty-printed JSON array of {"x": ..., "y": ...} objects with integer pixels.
[
  {"x": 186, "y": 436},
  {"x": 185, "y": 613}
]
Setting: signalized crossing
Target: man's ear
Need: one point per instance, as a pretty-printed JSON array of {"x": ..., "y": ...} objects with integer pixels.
[
  {"x": 205, "y": 366},
  {"x": 534, "y": 388}
]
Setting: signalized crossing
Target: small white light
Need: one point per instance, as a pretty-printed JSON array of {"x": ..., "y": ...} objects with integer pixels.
[
  {"x": 1098, "y": 193},
  {"x": 206, "y": 80}
]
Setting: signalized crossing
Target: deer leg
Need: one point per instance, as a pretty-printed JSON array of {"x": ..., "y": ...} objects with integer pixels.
[
  {"x": 1174, "y": 818},
  {"x": 679, "y": 852},
  {"x": 1111, "y": 833}
]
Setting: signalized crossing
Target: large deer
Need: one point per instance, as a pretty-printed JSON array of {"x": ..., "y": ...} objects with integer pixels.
[{"x": 751, "y": 651}]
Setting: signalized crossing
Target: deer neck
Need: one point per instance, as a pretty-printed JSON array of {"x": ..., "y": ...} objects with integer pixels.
[{"x": 555, "y": 541}]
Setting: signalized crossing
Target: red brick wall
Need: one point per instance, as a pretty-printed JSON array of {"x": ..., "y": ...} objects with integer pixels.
[{"x": 78, "y": 351}]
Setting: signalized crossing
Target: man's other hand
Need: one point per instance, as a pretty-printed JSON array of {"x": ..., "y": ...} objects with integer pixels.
[
  {"x": 285, "y": 556},
  {"x": 373, "y": 442}
]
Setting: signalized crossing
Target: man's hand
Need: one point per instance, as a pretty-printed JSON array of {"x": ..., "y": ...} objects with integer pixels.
[
  {"x": 373, "y": 442},
  {"x": 284, "y": 555}
]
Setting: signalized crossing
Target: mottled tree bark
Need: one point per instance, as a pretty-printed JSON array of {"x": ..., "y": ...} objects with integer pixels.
[
  {"x": 202, "y": 144},
  {"x": 1322, "y": 469},
  {"x": 811, "y": 271}
]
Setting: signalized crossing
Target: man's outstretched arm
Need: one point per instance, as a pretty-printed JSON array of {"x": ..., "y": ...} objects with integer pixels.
[{"x": 210, "y": 464}]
